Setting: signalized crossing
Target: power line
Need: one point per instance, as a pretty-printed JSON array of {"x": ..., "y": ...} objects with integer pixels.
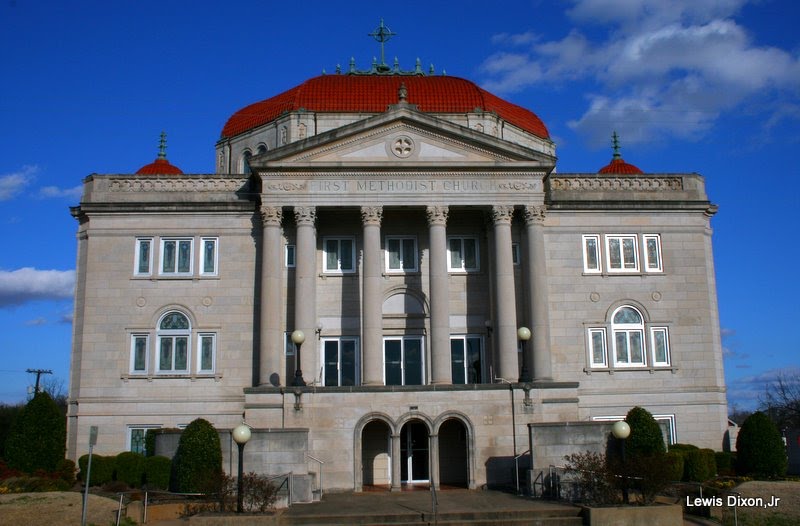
[{"x": 38, "y": 373}]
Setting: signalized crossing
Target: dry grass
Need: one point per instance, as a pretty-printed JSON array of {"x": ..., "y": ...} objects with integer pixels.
[
  {"x": 787, "y": 512},
  {"x": 56, "y": 507}
]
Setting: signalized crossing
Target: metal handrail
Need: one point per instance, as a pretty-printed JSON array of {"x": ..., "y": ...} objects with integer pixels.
[
  {"x": 320, "y": 462},
  {"x": 516, "y": 467}
]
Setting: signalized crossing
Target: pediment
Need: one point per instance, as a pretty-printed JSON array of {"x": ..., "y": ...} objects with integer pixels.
[{"x": 401, "y": 137}]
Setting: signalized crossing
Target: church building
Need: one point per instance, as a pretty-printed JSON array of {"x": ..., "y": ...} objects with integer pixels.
[{"x": 388, "y": 279}]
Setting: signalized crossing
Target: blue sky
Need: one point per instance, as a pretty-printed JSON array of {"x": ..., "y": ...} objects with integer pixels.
[{"x": 707, "y": 86}]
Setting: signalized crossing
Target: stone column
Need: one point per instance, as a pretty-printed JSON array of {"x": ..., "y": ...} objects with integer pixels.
[
  {"x": 372, "y": 306},
  {"x": 504, "y": 295},
  {"x": 396, "y": 466},
  {"x": 439, "y": 296},
  {"x": 538, "y": 351},
  {"x": 271, "y": 352},
  {"x": 434, "y": 472},
  {"x": 305, "y": 292}
]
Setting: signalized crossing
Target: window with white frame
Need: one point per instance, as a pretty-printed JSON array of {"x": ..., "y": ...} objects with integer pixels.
[
  {"x": 659, "y": 345},
  {"x": 462, "y": 254},
  {"x": 340, "y": 361},
  {"x": 173, "y": 336},
  {"x": 137, "y": 437},
  {"x": 401, "y": 254},
  {"x": 591, "y": 253},
  {"x": 633, "y": 342},
  {"x": 144, "y": 256},
  {"x": 290, "y": 256},
  {"x": 339, "y": 255},
  {"x": 140, "y": 353},
  {"x": 652, "y": 253},
  {"x": 668, "y": 419},
  {"x": 466, "y": 359},
  {"x": 208, "y": 257},
  {"x": 403, "y": 361},
  {"x": 622, "y": 253},
  {"x": 176, "y": 256},
  {"x": 207, "y": 352},
  {"x": 627, "y": 328},
  {"x": 597, "y": 348}
]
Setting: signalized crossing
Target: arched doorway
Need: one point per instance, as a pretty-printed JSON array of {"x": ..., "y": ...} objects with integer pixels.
[
  {"x": 453, "y": 454},
  {"x": 414, "y": 453},
  {"x": 376, "y": 454}
]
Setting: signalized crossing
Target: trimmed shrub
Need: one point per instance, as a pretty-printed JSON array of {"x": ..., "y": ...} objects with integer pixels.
[
  {"x": 150, "y": 443},
  {"x": 759, "y": 448},
  {"x": 37, "y": 438},
  {"x": 28, "y": 484},
  {"x": 646, "y": 438},
  {"x": 156, "y": 472},
  {"x": 682, "y": 447},
  {"x": 130, "y": 468},
  {"x": 65, "y": 470},
  {"x": 198, "y": 460},
  {"x": 674, "y": 465},
  {"x": 699, "y": 465},
  {"x": 102, "y": 469},
  {"x": 725, "y": 463}
]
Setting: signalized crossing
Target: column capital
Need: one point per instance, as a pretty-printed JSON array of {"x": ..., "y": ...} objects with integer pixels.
[
  {"x": 371, "y": 215},
  {"x": 534, "y": 214},
  {"x": 305, "y": 215},
  {"x": 271, "y": 215},
  {"x": 437, "y": 215},
  {"x": 502, "y": 214}
]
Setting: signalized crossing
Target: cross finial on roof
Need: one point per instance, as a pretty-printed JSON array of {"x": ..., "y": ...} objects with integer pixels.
[
  {"x": 162, "y": 146},
  {"x": 615, "y": 145},
  {"x": 382, "y": 34}
]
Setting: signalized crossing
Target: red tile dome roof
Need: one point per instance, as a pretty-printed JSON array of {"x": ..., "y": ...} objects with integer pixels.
[
  {"x": 159, "y": 167},
  {"x": 619, "y": 166},
  {"x": 374, "y": 93}
]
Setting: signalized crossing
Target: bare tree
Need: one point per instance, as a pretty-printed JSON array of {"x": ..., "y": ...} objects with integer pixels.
[
  {"x": 781, "y": 399},
  {"x": 54, "y": 386}
]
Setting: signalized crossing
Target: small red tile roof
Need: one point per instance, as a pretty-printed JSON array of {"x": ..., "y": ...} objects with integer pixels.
[
  {"x": 159, "y": 167},
  {"x": 374, "y": 93},
  {"x": 619, "y": 166}
]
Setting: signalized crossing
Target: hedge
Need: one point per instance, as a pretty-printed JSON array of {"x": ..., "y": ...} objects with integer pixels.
[{"x": 156, "y": 472}]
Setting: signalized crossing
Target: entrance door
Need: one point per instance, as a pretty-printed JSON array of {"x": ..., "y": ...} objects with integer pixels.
[{"x": 414, "y": 453}]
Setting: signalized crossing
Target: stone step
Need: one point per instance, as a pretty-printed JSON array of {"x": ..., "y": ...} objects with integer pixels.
[{"x": 555, "y": 517}]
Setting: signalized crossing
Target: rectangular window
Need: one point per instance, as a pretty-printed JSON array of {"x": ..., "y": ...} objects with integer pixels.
[
  {"x": 597, "y": 348},
  {"x": 339, "y": 255},
  {"x": 288, "y": 344},
  {"x": 290, "y": 256},
  {"x": 659, "y": 343},
  {"x": 340, "y": 361},
  {"x": 176, "y": 256},
  {"x": 136, "y": 438},
  {"x": 591, "y": 253},
  {"x": 462, "y": 254},
  {"x": 173, "y": 354},
  {"x": 466, "y": 359},
  {"x": 628, "y": 348},
  {"x": 144, "y": 256},
  {"x": 516, "y": 257},
  {"x": 652, "y": 253},
  {"x": 209, "y": 256},
  {"x": 403, "y": 361},
  {"x": 401, "y": 254},
  {"x": 207, "y": 349},
  {"x": 621, "y": 253},
  {"x": 139, "y": 353}
]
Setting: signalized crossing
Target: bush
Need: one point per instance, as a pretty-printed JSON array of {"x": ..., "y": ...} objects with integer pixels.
[
  {"x": 156, "y": 472},
  {"x": 699, "y": 465},
  {"x": 102, "y": 469},
  {"x": 759, "y": 448},
  {"x": 65, "y": 470},
  {"x": 682, "y": 447},
  {"x": 28, "y": 484},
  {"x": 150, "y": 442},
  {"x": 130, "y": 468},
  {"x": 198, "y": 460},
  {"x": 645, "y": 438},
  {"x": 37, "y": 438},
  {"x": 594, "y": 479},
  {"x": 674, "y": 461},
  {"x": 725, "y": 461}
]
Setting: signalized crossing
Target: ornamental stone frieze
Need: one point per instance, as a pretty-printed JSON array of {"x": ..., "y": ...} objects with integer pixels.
[
  {"x": 176, "y": 184},
  {"x": 639, "y": 184}
]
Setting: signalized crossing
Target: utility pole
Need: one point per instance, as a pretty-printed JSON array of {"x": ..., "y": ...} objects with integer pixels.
[{"x": 38, "y": 373}]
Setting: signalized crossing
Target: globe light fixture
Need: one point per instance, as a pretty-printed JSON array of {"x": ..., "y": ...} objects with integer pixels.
[
  {"x": 241, "y": 434},
  {"x": 298, "y": 337}
]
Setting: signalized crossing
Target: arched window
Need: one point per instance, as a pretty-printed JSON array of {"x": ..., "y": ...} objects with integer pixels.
[
  {"x": 173, "y": 335},
  {"x": 627, "y": 327},
  {"x": 246, "y": 161},
  {"x": 261, "y": 149}
]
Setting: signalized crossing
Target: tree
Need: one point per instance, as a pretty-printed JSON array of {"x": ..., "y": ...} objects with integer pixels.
[
  {"x": 37, "y": 439},
  {"x": 646, "y": 438},
  {"x": 781, "y": 399},
  {"x": 759, "y": 448},
  {"x": 197, "y": 465}
]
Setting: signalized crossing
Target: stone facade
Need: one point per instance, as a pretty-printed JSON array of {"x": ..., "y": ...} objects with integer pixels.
[{"x": 408, "y": 247}]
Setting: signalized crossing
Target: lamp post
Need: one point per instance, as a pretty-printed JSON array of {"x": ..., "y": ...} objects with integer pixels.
[
  {"x": 621, "y": 430},
  {"x": 298, "y": 337},
  {"x": 524, "y": 334},
  {"x": 241, "y": 434}
]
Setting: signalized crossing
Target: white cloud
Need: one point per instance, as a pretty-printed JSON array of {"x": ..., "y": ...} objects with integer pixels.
[
  {"x": 655, "y": 68},
  {"x": 748, "y": 391},
  {"x": 55, "y": 192},
  {"x": 12, "y": 183},
  {"x": 29, "y": 284}
]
